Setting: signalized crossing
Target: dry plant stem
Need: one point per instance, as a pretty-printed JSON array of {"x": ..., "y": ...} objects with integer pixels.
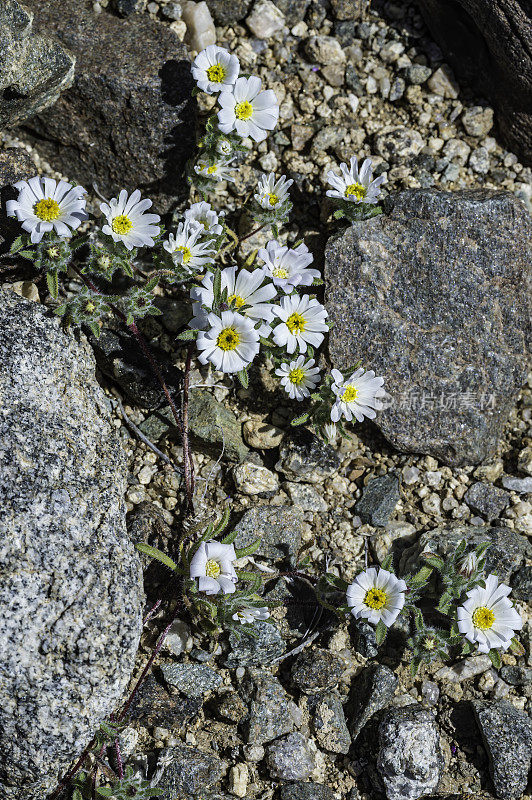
[
  {"x": 249, "y": 235},
  {"x": 189, "y": 487},
  {"x": 187, "y": 455},
  {"x": 149, "y": 663}
]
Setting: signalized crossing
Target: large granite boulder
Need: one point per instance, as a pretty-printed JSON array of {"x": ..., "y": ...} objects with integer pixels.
[
  {"x": 489, "y": 44},
  {"x": 70, "y": 593},
  {"x": 435, "y": 295},
  {"x": 128, "y": 120},
  {"x": 33, "y": 69}
]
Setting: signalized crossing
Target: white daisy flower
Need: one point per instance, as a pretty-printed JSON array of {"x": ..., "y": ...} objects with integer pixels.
[
  {"x": 212, "y": 564},
  {"x": 214, "y": 69},
  {"x": 248, "y": 615},
  {"x": 243, "y": 289},
  {"x": 248, "y": 110},
  {"x": 230, "y": 344},
  {"x": 298, "y": 378},
  {"x": 376, "y": 594},
  {"x": 187, "y": 249},
  {"x": 357, "y": 396},
  {"x": 44, "y": 205},
  {"x": 203, "y": 214},
  {"x": 287, "y": 267},
  {"x": 272, "y": 193},
  {"x": 488, "y": 618},
  {"x": 302, "y": 323},
  {"x": 218, "y": 171},
  {"x": 355, "y": 186},
  {"x": 127, "y": 222}
]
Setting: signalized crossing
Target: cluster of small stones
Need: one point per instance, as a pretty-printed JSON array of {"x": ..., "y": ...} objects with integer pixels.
[{"x": 347, "y": 84}]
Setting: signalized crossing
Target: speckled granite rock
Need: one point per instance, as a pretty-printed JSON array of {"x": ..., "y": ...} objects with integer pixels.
[
  {"x": 507, "y": 736},
  {"x": 70, "y": 595},
  {"x": 410, "y": 761},
  {"x": 507, "y": 552},
  {"x": 434, "y": 295},
  {"x": 124, "y": 123},
  {"x": 34, "y": 70},
  {"x": 190, "y": 771}
]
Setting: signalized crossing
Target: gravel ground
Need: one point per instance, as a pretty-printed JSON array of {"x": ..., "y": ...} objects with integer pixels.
[{"x": 374, "y": 86}]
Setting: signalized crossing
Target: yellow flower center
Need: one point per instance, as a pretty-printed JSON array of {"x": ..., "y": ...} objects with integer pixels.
[
  {"x": 228, "y": 339},
  {"x": 237, "y": 300},
  {"x": 296, "y": 323},
  {"x": 356, "y": 190},
  {"x": 187, "y": 255},
  {"x": 375, "y": 598},
  {"x": 47, "y": 209},
  {"x": 483, "y": 618},
  {"x": 212, "y": 568},
  {"x": 280, "y": 272},
  {"x": 121, "y": 224},
  {"x": 211, "y": 170},
  {"x": 243, "y": 110},
  {"x": 350, "y": 394},
  {"x": 296, "y": 376},
  {"x": 53, "y": 252},
  {"x": 216, "y": 73},
  {"x": 273, "y": 199}
]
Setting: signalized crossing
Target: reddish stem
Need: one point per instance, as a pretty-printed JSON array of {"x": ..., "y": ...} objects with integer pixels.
[{"x": 249, "y": 235}]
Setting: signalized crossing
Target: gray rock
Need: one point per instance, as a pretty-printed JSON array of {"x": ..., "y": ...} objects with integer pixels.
[
  {"x": 487, "y": 500},
  {"x": 34, "y": 69},
  {"x": 131, "y": 127},
  {"x": 271, "y": 712},
  {"x": 520, "y": 485},
  {"x": 71, "y": 589},
  {"x": 315, "y": 669},
  {"x": 517, "y": 676},
  {"x": 153, "y": 706},
  {"x": 418, "y": 74},
  {"x": 119, "y": 358},
  {"x": 371, "y": 691},
  {"x": 477, "y": 121},
  {"x": 410, "y": 762},
  {"x": 293, "y": 10},
  {"x": 304, "y": 457},
  {"x": 279, "y": 528},
  {"x": 522, "y": 584},
  {"x": 290, "y": 758},
  {"x": 190, "y": 771},
  {"x": 266, "y": 645},
  {"x": 399, "y": 145},
  {"x": 212, "y": 426},
  {"x": 192, "y": 680},
  {"x": 507, "y": 552},
  {"x": 300, "y": 790},
  {"x": 507, "y": 736},
  {"x": 127, "y": 7},
  {"x": 349, "y": 9},
  {"x": 448, "y": 326},
  {"x": 225, "y": 13},
  {"x": 364, "y": 639},
  {"x": 379, "y": 499},
  {"x": 15, "y": 165},
  {"x": 328, "y": 722}
]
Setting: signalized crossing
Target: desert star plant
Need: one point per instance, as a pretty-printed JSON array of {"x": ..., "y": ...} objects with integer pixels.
[{"x": 264, "y": 306}]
